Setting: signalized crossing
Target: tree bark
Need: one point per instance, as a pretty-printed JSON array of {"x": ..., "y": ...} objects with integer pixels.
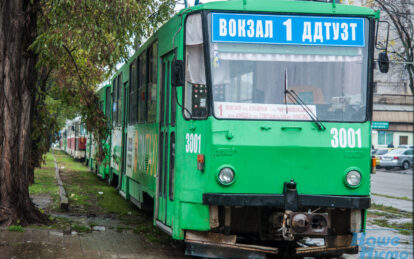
[{"x": 18, "y": 21}]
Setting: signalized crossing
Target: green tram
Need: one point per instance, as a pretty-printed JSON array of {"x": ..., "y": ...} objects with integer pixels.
[
  {"x": 102, "y": 169},
  {"x": 246, "y": 125}
]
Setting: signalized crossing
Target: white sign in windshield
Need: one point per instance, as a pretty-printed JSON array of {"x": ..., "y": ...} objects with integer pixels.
[{"x": 231, "y": 110}]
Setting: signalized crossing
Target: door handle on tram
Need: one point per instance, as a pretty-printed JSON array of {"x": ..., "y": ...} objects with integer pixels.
[
  {"x": 292, "y": 128},
  {"x": 228, "y": 134}
]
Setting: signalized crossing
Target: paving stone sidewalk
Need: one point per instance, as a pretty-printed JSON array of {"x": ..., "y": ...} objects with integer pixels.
[{"x": 45, "y": 244}]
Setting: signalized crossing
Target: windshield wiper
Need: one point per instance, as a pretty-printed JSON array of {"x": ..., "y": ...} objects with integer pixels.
[{"x": 296, "y": 99}]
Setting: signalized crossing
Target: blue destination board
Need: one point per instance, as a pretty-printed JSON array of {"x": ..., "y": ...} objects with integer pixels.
[{"x": 283, "y": 29}]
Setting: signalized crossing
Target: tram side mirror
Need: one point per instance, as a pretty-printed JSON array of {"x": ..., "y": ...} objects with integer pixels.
[
  {"x": 382, "y": 35},
  {"x": 177, "y": 73},
  {"x": 383, "y": 62}
]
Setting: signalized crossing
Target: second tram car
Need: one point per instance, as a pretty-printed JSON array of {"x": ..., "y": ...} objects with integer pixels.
[{"x": 73, "y": 138}]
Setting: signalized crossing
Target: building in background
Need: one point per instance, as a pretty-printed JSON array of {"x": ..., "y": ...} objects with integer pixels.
[{"x": 393, "y": 113}]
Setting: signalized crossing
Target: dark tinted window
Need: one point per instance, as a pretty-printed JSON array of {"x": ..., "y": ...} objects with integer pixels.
[
  {"x": 133, "y": 94},
  {"x": 152, "y": 82},
  {"x": 381, "y": 152},
  {"x": 120, "y": 95},
  {"x": 114, "y": 101},
  {"x": 108, "y": 101},
  {"x": 142, "y": 87},
  {"x": 408, "y": 152}
]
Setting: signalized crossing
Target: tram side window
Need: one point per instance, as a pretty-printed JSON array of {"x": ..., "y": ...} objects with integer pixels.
[
  {"x": 82, "y": 130},
  {"x": 133, "y": 95},
  {"x": 101, "y": 105},
  {"x": 117, "y": 97},
  {"x": 119, "y": 100},
  {"x": 152, "y": 82},
  {"x": 108, "y": 102},
  {"x": 195, "y": 96},
  {"x": 142, "y": 85},
  {"x": 114, "y": 102}
]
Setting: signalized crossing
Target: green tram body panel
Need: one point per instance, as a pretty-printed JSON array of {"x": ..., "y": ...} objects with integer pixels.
[
  {"x": 102, "y": 169},
  {"x": 264, "y": 154}
]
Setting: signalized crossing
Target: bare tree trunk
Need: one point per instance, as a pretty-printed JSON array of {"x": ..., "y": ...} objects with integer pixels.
[
  {"x": 410, "y": 70},
  {"x": 17, "y": 88}
]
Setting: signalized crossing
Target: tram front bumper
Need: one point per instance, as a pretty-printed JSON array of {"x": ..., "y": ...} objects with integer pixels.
[
  {"x": 214, "y": 245},
  {"x": 282, "y": 219},
  {"x": 279, "y": 200}
]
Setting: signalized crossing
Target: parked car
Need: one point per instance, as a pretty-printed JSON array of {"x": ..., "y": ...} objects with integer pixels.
[
  {"x": 406, "y": 146},
  {"x": 379, "y": 153},
  {"x": 400, "y": 157}
]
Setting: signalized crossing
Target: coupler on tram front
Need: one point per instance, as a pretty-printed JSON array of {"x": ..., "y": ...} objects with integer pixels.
[{"x": 286, "y": 225}]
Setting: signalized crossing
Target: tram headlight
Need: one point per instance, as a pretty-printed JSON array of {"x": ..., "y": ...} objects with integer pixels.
[
  {"x": 353, "y": 178},
  {"x": 226, "y": 176}
]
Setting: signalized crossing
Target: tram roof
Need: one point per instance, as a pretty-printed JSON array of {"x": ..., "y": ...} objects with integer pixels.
[
  {"x": 264, "y": 6},
  {"x": 284, "y": 6}
]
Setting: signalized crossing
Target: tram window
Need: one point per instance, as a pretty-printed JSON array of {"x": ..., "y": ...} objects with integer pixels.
[
  {"x": 119, "y": 100},
  {"x": 249, "y": 80},
  {"x": 195, "y": 93},
  {"x": 117, "y": 104},
  {"x": 133, "y": 95},
  {"x": 142, "y": 91},
  {"x": 102, "y": 105},
  {"x": 114, "y": 101},
  {"x": 108, "y": 102},
  {"x": 152, "y": 82},
  {"x": 82, "y": 130}
]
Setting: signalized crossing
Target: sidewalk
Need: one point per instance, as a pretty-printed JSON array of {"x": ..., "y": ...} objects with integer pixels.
[
  {"x": 45, "y": 244},
  {"x": 99, "y": 223},
  {"x": 403, "y": 205}
]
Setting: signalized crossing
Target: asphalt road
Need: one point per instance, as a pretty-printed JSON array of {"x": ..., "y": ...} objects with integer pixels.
[{"x": 397, "y": 183}]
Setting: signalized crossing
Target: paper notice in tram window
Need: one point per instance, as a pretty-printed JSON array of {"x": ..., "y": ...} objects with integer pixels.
[
  {"x": 202, "y": 102},
  {"x": 253, "y": 111}
]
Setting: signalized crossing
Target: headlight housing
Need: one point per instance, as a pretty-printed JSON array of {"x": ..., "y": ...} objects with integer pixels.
[
  {"x": 353, "y": 178},
  {"x": 226, "y": 176}
]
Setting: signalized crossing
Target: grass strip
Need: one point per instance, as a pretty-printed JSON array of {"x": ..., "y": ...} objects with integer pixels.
[
  {"x": 392, "y": 197},
  {"x": 87, "y": 193},
  {"x": 15, "y": 228},
  {"x": 390, "y": 209},
  {"x": 402, "y": 228},
  {"x": 45, "y": 181}
]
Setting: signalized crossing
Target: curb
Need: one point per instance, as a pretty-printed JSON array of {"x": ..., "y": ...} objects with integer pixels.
[{"x": 64, "y": 201}]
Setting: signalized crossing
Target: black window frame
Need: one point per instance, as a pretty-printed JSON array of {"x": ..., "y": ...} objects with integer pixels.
[
  {"x": 133, "y": 93},
  {"x": 152, "y": 78},
  {"x": 119, "y": 99},
  {"x": 142, "y": 87},
  {"x": 114, "y": 101},
  {"x": 108, "y": 102}
]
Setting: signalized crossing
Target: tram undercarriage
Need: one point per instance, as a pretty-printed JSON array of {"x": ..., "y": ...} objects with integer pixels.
[{"x": 286, "y": 225}]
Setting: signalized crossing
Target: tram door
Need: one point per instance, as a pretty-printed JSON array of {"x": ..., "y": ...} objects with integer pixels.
[
  {"x": 166, "y": 144},
  {"x": 124, "y": 122}
]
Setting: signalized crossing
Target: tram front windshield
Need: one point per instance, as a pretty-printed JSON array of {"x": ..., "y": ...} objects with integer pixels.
[{"x": 249, "y": 81}]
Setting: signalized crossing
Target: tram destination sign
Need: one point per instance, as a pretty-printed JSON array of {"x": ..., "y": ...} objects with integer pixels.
[{"x": 293, "y": 30}]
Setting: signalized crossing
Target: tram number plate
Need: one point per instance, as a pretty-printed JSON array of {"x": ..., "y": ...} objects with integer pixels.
[
  {"x": 346, "y": 138},
  {"x": 193, "y": 143}
]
